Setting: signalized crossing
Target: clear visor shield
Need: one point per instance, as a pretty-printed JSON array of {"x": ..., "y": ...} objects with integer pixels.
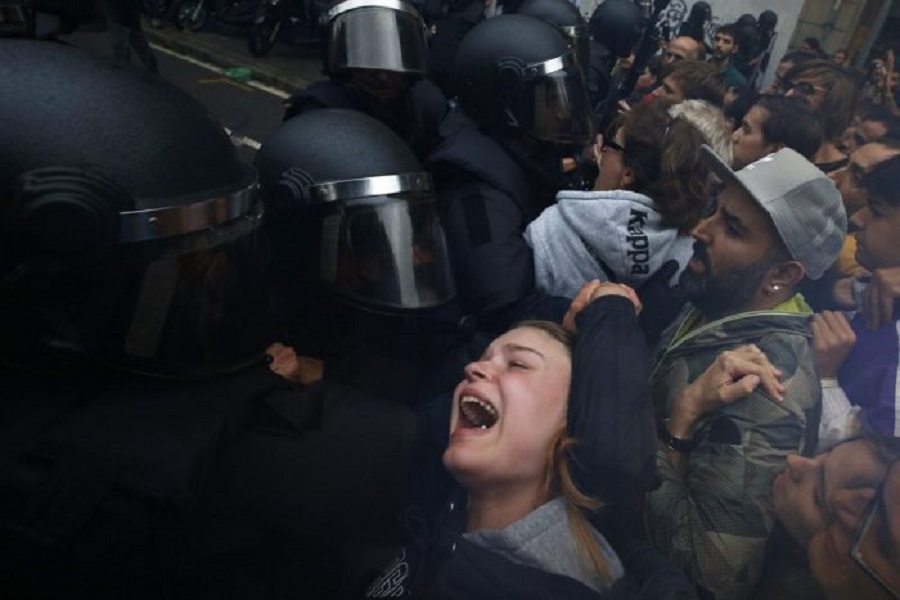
[
  {"x": 387, "y": 252},
  {"x": 557, "y": 109},
  {"x": 377, "y": 37}
]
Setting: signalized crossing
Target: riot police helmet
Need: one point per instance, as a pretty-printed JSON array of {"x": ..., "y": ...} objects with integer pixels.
[
  {"x": 128, "y": 222},
  {"x": 384, "y": 35},
  {"x": 567, "y": 19},
  {"x": 367, "y": 206},
  {"x": 616, "y": 24},
  {"x": 768, "y": 20},
  {"x": 515, "y": 74}
]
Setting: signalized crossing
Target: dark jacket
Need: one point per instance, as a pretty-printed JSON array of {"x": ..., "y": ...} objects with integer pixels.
[
  {"x": 486, "y": 198},
  {"x": 714, "y": 521}
]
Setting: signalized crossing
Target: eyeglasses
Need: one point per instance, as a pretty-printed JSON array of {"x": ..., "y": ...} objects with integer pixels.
[
  {"x": 610, "y": 144},
  {"x": 804, "y": 88},
  {"x": 866, "y": 537}
]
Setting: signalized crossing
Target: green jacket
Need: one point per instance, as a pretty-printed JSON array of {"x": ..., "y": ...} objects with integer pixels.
[{"x": 714, "y": 521}]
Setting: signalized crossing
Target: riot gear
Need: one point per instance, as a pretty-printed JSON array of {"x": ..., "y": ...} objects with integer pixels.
[
  {"x": 616, "y": 24},
  {"x": 380, "y": 245},
  {"x": 401, "y": 46},
  {"x": 117, "y": 244},
  {"x": 567, "y": 19},
  {"x": 515, "y": 74}
]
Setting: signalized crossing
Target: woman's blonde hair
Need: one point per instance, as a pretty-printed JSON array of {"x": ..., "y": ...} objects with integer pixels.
[
  {"x": 558, "y": 482},
  {"x": 558, "y": 479}
]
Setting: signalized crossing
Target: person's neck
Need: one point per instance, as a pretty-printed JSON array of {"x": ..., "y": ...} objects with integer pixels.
[
  {"x": 498, "y": 509},
  {"x": 722, "y": 62}
]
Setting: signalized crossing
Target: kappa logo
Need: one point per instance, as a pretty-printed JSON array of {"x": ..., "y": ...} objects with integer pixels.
[
  {"x": 639, "y": 244},
  {"x": 390, "y": 583}
]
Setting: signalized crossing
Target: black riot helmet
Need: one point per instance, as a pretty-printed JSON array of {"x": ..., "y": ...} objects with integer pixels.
[
  {"x": 515, "y": 74},
  {"x": 567, "y": 19},
  {"x": 128, "y": 226},
  {"x": 365, "y": 206},
  {"x": 616, "y": 24},
  {"x": 388, "y": 35},
  {"x": 767, "y": 21}
]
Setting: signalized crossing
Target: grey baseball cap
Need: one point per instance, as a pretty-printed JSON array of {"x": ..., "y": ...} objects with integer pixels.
[{"x": 801, "y": 200}]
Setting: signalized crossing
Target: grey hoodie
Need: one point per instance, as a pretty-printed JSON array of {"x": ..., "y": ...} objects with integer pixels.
[
  {"x": 543, "y": 540},
  {"x": 620, "y": 228}
]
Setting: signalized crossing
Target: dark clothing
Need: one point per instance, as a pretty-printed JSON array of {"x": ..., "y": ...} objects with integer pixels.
[
  {"x": 611, "y": 414},
  {"x": 126, "y": 33},
  {"x": 449, "y": 23},
  {"x": 119, "y": 486},
  {"x": 599, "y": 81},
  {"x": 415, "y": 117},
  {"x": 486, "y": 198}
]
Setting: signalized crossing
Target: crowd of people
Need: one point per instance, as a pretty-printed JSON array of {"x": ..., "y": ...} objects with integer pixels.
[{"x": 527, "y": 329}]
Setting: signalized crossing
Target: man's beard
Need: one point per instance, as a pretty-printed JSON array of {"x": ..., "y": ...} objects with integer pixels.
[{"x": 721, "y": 294}]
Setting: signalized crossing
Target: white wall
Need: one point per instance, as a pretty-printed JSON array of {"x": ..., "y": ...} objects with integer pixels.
[{"x": 727, "y": 11}]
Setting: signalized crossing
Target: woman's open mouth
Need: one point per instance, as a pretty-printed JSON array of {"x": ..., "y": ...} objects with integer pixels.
[{"x": 477, "y": 413}]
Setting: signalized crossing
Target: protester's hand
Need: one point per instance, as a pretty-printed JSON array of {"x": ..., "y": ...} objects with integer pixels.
[
  {"x": 734, "y": 375},
  {"x": 623, "y": 107},
  {"x": 880, "y": 296},
  {"x": 832, "y": 340},
  {"x": 299, "y": 369},
  {"x": 592, "y": 290}
]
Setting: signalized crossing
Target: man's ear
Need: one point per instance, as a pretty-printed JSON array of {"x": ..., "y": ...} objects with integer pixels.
[
  {"x": 626, "y": 179},
  {"x": 786, "y": 275}
]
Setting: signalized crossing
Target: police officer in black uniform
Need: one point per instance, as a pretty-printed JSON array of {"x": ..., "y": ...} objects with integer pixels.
[
  {"x": 376, "y": 59},
  {"x": 615, "y": 27},
  {"x": 521, "y": 103},
  {"x": 146, "y": 449},
  {"x": 133, "y": 311}
]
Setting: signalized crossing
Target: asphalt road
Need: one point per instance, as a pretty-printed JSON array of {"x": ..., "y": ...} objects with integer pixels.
[{"x": 250, "y": 111}]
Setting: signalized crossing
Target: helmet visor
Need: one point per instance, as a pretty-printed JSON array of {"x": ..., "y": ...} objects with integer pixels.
[
  {"x": 377, "y": 37},
  {"x": 387, "y": 252},
  {"x": 559, "y": 109}
]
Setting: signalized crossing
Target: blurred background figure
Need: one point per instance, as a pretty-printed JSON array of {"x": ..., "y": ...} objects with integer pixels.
[{"x": 123, "y": 18}]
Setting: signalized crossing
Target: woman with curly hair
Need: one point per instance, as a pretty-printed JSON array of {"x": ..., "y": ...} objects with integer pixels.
[{"x": 650, "y": 193}]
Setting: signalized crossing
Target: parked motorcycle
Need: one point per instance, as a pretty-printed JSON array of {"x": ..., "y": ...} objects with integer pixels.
[
  {"x": 297, "y": 19},
  {"x": 194, "y": 15}
]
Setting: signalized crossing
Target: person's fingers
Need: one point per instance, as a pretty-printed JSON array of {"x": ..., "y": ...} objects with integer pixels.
[
  {"x": 741, "y": 388},
  {"x": 750, "y": 360}
]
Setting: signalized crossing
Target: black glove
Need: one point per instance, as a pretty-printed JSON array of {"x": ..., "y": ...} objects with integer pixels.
[{"x": 661, "y": 302}]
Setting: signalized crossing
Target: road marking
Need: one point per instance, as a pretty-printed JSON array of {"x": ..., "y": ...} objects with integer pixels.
[
  {"x": 242, "y": 139},
  {"x": 244, "y": 85},
  {"x": 205, "y": 65}
]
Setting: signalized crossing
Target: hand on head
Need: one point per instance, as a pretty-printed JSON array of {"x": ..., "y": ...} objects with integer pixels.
[{"x": 592, "y": 290}]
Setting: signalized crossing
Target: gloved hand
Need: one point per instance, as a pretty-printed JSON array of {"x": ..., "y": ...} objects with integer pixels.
[{"x": 662, "y": 302}]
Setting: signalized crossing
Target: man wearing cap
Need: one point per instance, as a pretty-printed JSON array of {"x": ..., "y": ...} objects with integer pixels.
[{"x": 743, "y": 335}]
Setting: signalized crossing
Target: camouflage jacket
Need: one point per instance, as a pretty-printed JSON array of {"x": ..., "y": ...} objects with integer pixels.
[{"x": 714, "y": 520}]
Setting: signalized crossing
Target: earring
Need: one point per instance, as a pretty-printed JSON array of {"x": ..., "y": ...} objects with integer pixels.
[{"x": 775, "y": 287}]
